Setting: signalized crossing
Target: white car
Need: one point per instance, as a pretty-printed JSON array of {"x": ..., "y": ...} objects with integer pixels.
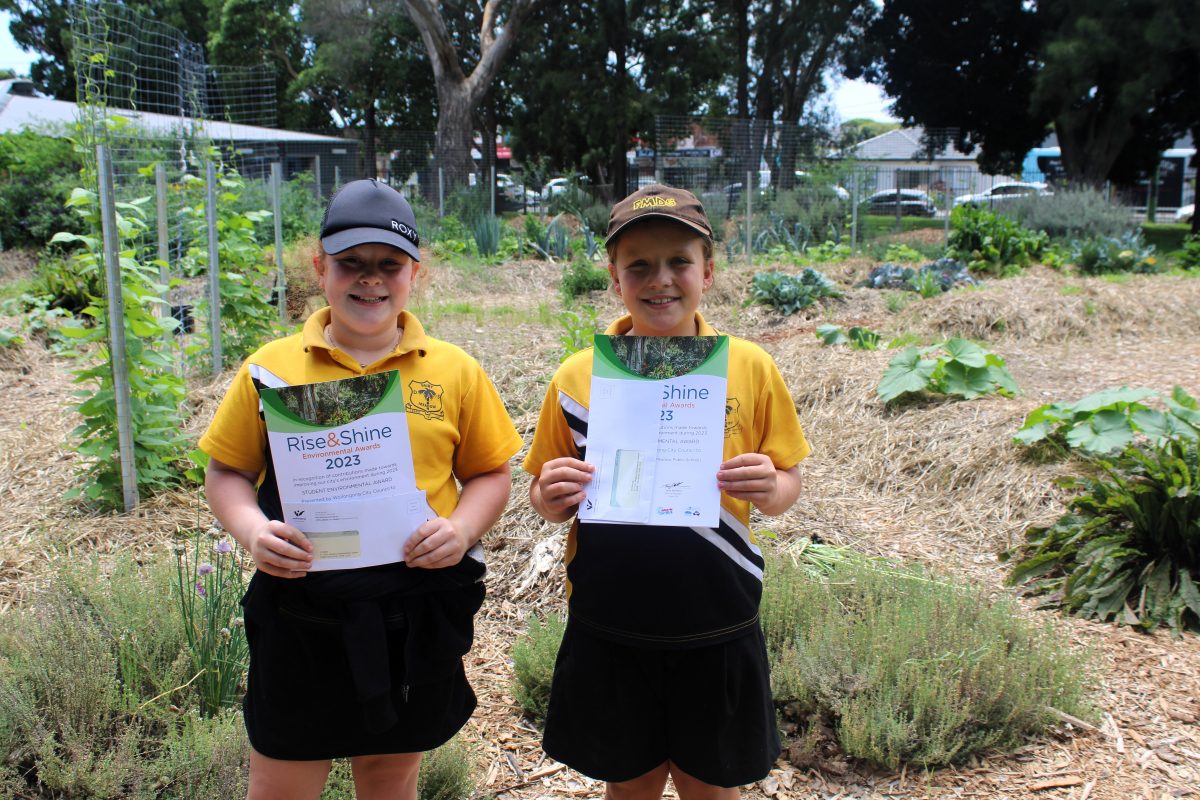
[
  {"x": 1001, "y": 192},
  {"x": 1185, "y": 213},
  {"x": 514, "y": 191},
  {"x": 555, "y": 186}
]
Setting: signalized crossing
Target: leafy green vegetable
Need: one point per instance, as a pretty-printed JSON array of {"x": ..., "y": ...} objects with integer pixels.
[{"x": 956, "y": 367}]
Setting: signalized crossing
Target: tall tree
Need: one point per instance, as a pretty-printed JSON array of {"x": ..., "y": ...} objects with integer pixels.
[
  {"x": 42, "y": 26},
  {"x": 643, "y": 58},
  {"x": 256, "y": 32},
  {"x": 460, "y": 93},
  {"x": 367, "y": 68}
]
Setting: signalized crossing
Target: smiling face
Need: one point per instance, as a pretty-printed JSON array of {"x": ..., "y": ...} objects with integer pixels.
[
  {"x": 367, "y": 287},
  {"x": 660, "y": 271}
]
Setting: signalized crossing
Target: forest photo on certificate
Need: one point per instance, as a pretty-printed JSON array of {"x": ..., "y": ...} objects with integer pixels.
[
  {"x": 662, "y": 357},
  {"x": 340, "y": 402}
]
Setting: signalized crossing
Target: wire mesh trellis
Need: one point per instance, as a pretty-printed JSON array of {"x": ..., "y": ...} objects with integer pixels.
[{"x": 146, "y": 93}]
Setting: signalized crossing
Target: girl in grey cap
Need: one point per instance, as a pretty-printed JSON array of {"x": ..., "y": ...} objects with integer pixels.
[{"x": 364, "y": 664}]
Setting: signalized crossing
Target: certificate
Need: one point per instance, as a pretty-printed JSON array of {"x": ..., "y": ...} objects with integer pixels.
[
  {"x": 361, "y": 533},
  {"x": 656, "y": 429},
  {"x": 343, "y": 464}
]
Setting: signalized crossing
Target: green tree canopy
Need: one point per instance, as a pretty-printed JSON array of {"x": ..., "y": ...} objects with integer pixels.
[{"x": 1003, "y": 72}]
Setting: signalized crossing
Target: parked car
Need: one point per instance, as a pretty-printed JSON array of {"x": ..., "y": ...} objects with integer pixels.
[
  {"x": 1185, "y": 213},
  {"x": 514, "y": 191},
  {"x": 1002, "y": 192},
  {"x": 912, "y": 203}
]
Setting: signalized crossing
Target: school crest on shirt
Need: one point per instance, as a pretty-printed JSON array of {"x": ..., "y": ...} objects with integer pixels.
[
  {"x": 425, "y": 398},
  {"x": 732, "y": 423}
]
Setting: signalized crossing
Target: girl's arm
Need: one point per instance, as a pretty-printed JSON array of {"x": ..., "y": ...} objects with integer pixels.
[
  {"x": 443, "y": 542},
  {"x": 277, "y": 548},
  {"x": 753, "y": 477}
]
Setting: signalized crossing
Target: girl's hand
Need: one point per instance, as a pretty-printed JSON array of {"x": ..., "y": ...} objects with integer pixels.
[
  {"x": 559, "y": 488},
  {"x": 281, "y": 550},
  {"x": 436, "y": 544},
  {"x": 750, "y": 476},
  {"x": 754, "y": 477}
]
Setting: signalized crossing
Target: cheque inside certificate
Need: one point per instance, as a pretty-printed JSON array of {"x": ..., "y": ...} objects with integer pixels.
[
  {"x": 656, "y": 441},
  {"x": 342, "y": 440},
  {"x": 361, "y": 533}
]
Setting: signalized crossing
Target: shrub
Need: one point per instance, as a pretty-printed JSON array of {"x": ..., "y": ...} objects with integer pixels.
[
  {"x": 906, "y": 666},
  {"x": 1129, "y": 547},
  {"x": 580, "y": 277},
  {"x": 37, "y": 174},
  {"x": 814, "y": 212},
  {"x": 790, "y": 293},
  {"x": 1104, "y": 254},
  {"x": 1189, "y": 256},
  {"x": 1069, "y": 214},
  {"x": 955, "y": 367},
  {"x": 88, "y": 677},
  {"x": 533, "y": 655},
  {"x": 992, "y": 243},
  {"x": 447, "y": 773}
]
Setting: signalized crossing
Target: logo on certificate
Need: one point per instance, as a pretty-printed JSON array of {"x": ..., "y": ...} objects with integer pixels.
[{"x": 425, "y": 398}]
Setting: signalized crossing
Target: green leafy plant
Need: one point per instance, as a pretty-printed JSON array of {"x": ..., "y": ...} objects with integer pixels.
[
  {"x": 1108, "y": 420},
  {"x": 533, "y": 655},
  {"x": 37, "y": 173},
  {"x": 1189, "y": 257},
  {"x": 578, "y": 329},
  {"x": 954, "y": 367},
  {"x": 857, "y": 337},
  {"x": 925, "y": 283},
  {"x": 156, "y": 391},
  {"x": 1103, "y": 254},
  {"x": 580, "y": 277},
  {"x": 209, "y": 586},
  {"x": 486, "y": 232},
  {"x": 990, "y": 243},
  {"x": 245, "y": 280},
  {"x": 828, "y": 251},
  {"x": 94, "y": 692},
  {"x": 790, "y": 293},
  {"x": 901, "y": 252},
  {"x": 906, "y": 666},
  {"x": 1129, "y": 547}
]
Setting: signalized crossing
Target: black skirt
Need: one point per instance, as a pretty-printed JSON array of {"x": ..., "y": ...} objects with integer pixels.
[{"x": 360, "y": 662}]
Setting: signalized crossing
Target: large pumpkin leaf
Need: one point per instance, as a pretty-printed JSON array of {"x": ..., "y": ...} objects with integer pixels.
[
  {"x": 906, "y": 373},
  {"x": 1103, "y": 432}
]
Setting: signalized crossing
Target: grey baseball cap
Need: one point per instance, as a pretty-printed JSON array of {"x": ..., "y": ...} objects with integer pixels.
[{"x": 367, "y": 212}]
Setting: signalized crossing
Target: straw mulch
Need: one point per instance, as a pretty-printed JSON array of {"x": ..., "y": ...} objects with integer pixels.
[{"x": 938, "y": 481}]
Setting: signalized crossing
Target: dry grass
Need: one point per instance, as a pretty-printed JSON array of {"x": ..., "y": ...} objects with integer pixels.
[{"x": 939, "y": 481}]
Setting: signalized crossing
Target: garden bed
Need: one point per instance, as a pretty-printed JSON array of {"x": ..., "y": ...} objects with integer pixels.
[{"x": 937, "y": 482}]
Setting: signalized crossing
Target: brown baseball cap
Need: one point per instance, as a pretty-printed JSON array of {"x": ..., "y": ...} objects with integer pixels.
[{"x": 658, "y": 200}]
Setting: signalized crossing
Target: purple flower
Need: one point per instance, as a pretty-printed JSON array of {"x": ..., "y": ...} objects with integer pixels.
[
  {"x": 200, "y": 590},
  {"x": 224, "y": 547},
  {"x": 205, "y": 569}
]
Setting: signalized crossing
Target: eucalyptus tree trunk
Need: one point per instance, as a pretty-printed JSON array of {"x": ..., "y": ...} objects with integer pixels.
[{"x": 458, "y": 92}]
